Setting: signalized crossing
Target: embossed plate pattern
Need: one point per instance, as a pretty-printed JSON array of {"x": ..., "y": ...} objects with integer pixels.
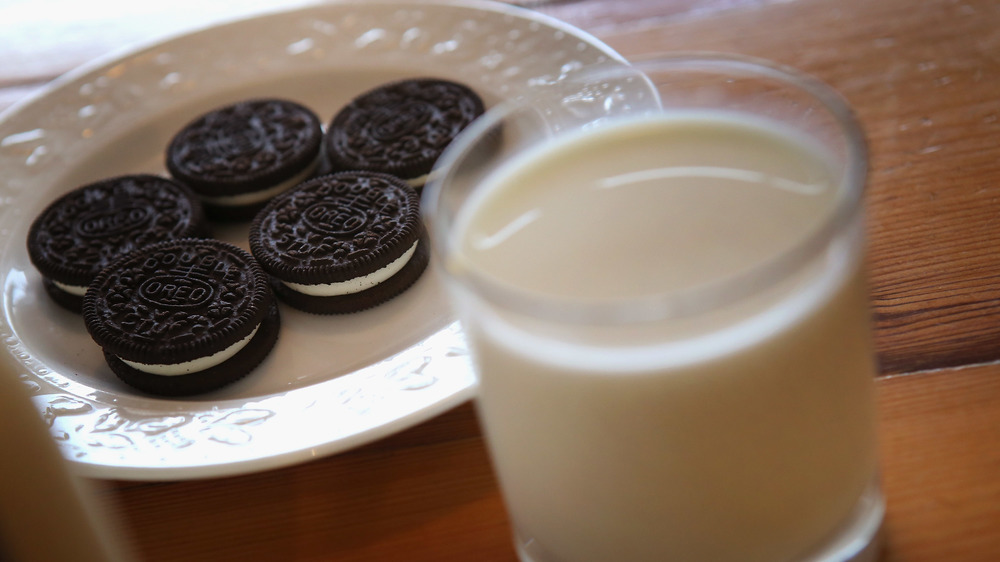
[{"x": 331, "y": 383}]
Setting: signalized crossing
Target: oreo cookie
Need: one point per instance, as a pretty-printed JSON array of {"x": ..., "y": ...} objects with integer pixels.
[
  {"x": 239, "y": 156},
  {"x": 400, "y": 128},
  {"x": 342, "y": 243},
  {"x": 83, "y": 231},
  {"x": 182, "y": 317}
]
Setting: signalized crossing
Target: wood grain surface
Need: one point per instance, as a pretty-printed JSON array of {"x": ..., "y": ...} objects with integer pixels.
[
  {"x": 940, "y": 464},
  {"x": 924, "y": 79},
  {"x": 429, "y": 491}
]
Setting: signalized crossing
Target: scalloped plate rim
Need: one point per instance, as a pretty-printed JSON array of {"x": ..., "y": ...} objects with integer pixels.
[{"x": 463, "y": 391}]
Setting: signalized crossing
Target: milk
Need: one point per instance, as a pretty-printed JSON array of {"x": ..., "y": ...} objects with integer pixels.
[{"x": 741, "y": 433}]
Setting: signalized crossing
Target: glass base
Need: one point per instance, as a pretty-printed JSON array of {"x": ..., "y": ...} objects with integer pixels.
[{"x": 859, "y": 539}]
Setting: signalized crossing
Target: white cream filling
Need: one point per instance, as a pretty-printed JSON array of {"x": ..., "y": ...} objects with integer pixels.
[
  {"x": 194, "y": 365},
  {"x": 421, "y": 180},
  {"x": 264, "y": 194},
  {"x": 71, "y": 289},
  {"x": 357, "y": 284},
  {"x": 418, "y": 181}
]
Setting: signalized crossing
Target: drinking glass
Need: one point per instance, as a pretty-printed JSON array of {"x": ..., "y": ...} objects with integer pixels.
[{"x": 659, "y": 270}]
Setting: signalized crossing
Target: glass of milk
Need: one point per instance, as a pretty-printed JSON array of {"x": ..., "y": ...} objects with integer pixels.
[{"x": 659, "y": 270}]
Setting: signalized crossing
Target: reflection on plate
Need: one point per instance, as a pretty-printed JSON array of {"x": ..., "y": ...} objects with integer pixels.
[{"x": 331, "y": 383}]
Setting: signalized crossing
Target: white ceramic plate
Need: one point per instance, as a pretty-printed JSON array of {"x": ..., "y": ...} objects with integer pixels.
[{"x": 331, "y": 383}]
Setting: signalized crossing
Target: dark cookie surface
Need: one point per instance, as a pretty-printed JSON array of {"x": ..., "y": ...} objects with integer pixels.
[
  {"x": 245, "y": 146},
  {"x": 400, "y": 128},
  {"x": 336, "y": 227},
  {"x": 82, "y": 232},
  {"x": 212, "y": 378},
  {"x": 177, "y": 301},
  {"x": 367, "y": 298}
]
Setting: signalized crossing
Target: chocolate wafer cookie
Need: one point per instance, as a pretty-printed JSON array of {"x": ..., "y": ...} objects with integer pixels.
[
  {"x": 182, "y": 317},
  {"x": 239, "y": 156},
  {"x": 400, "y": 128},
  {"x": 83, "y": 231},
  {"x": 342, "y": 242}
]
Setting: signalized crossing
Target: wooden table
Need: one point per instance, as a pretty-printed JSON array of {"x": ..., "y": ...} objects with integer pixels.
[{"x": 924, "y": 76}]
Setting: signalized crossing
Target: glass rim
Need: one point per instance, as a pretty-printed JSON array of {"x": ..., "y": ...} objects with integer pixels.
[{"x": 690, "y": 301}]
